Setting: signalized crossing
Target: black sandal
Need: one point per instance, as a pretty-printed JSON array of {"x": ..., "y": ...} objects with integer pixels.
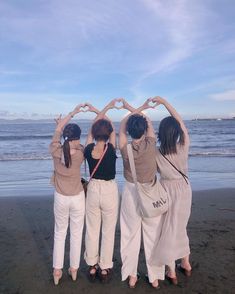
[
  {"x": 92, "y": 275},
  {"x": 105, "y": 278}
]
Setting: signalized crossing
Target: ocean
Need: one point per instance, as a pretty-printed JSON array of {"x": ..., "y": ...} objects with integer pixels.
[{"x": 26, "y": 165}]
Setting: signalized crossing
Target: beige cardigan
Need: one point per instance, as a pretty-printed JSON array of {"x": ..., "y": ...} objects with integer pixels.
[{"x": 67, "y": 181}]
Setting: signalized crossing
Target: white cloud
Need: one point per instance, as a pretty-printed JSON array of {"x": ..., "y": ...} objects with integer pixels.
[
  {"x": 147, "y": 37},
  {"x": 228, "y": 95},
  {"x": 178, "y": 27}
]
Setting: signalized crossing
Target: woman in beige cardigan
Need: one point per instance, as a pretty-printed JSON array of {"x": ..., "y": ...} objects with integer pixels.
[{"x": 69, "y": 198}]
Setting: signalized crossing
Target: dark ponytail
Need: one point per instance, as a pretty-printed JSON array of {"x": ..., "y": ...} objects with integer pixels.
[
  {"x": 71, "y": 132},
  {"x": 67, "y": 155}
]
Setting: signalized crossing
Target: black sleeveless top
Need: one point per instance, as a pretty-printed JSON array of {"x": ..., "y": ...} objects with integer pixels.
[{"x": 107, "y": 168}]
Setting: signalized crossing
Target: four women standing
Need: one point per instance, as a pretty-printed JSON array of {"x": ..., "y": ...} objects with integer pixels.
[{"x": 165, "y": 237}]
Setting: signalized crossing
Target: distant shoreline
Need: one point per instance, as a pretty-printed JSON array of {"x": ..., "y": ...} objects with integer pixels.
[{"x": 22, "y": 120}]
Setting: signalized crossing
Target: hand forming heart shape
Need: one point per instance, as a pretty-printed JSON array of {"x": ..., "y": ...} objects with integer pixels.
[
  {"x": 84, "y": 108},
  {"x": 119, "y": 103},
  {"x": 152, "y": 104}
]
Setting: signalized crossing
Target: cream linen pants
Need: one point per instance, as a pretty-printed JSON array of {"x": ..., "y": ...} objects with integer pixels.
[
  {"x": 68, "y": 210},
  {"x": 132, "y": 224},
  {"x": 101, "y": 208}
]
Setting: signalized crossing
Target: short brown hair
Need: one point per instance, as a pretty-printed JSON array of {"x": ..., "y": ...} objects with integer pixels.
[{"x": 101, "y": 130}]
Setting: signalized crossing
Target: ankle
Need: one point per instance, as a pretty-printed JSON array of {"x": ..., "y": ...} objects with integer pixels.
[
  {"x": 132, "y": 280},
  {"x": 186, "y": 265},
  {"x": 93, "y": 269},
  {"x": 104, "y": 272},
  {"x": 171, "y": 274},
  {"x": 155, "y": 283},
  {"x": 57, "y": 271}
]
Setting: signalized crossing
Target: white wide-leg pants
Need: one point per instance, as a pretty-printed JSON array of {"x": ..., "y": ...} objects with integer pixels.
[
  {"x": 68, "y": 210},
  {"x": 101, "y": 208},
  {"x": 132, "y": 224}
]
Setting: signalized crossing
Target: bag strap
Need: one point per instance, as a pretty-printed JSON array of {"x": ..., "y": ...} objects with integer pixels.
[
  {"x": 85, "y": 168},
  {"x": 132, "y": 163},
  {"x": 182, "y": 174},
  {"x": 99, "y": 162}
]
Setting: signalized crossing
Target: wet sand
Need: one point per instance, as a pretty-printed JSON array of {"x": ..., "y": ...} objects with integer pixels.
[{"x": 26, "y": 242}]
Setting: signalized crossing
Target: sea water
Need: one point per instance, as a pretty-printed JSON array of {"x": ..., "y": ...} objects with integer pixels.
[{"x": 26, "y": 165}]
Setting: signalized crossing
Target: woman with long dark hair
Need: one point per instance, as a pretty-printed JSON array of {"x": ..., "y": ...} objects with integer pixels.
[
  {"x": 172, "y": 162},
  {"x": 102, "y": 195},
  {"x": 69, "y": 198}
]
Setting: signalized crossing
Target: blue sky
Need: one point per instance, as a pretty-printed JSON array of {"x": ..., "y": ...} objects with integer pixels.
[{"x": 56, "y": 54}]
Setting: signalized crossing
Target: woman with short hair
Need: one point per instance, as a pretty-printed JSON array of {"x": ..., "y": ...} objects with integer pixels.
[
  {"x": 132, "y": 223},
  {"x": 102, "y": 195}
]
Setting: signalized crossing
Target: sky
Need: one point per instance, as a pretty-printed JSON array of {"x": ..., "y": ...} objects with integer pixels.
[{"x": 55, "y": 54}]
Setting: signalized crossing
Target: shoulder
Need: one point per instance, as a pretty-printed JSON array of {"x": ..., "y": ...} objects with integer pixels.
[
  {"x": 149, "y": 144},
  {"x": 80, "y": 147},
  {"x": 150, "y": 140},
  {"x": 183, "y": 148},
  {"x": 123, "y": 150},
  {"x": 89, "y": 146},
  {"x": 158, "y": 155},
  {"x": 111, "y": 149},
  {"x": 88, "y": 149}
]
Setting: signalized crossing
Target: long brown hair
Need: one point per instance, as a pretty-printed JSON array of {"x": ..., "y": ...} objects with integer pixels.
[{"x": 169, "y": 134}]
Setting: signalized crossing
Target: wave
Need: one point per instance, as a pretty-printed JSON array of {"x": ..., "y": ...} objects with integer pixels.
[
  {"x": 30, "y": 137},
  {"x": 17, "y": 138},
  {"x": 48, "y": 157},
  {"x": 213, "y": 153},
  {"x": 27, "y": 157}
]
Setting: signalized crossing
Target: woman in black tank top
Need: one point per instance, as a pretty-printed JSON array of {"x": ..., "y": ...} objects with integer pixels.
[{"x": 102, "y": 195}]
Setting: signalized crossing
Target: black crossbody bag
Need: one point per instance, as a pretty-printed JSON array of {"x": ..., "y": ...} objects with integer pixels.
[{"x": 182, "y": 174}]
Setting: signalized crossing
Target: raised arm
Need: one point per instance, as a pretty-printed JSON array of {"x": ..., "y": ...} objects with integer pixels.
[
  {"x": 122, "y": 140},
  {"x": 61, "y": 122},
  {"x": 55, "y": 146},
  {"x": 150, "y": 130},
  {"x": 159, "y": 100},
  {"x": 91, "y": 108},
  {"x": 127, "y": 106}
]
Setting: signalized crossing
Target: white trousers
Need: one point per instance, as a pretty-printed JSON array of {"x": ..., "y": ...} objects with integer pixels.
[
  {"x": 132, "y": 224},
  {"x": 101, "y": 208},
  {"x": 68, "y": 210}
]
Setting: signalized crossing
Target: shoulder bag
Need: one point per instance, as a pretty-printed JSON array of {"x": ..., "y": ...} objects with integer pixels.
[
  {"x": 153, "y": 198},
  {"x": 86, "y": 182}
]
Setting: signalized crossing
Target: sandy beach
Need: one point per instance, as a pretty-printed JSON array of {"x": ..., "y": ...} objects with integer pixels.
[{"x": 26, "y": 241}]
